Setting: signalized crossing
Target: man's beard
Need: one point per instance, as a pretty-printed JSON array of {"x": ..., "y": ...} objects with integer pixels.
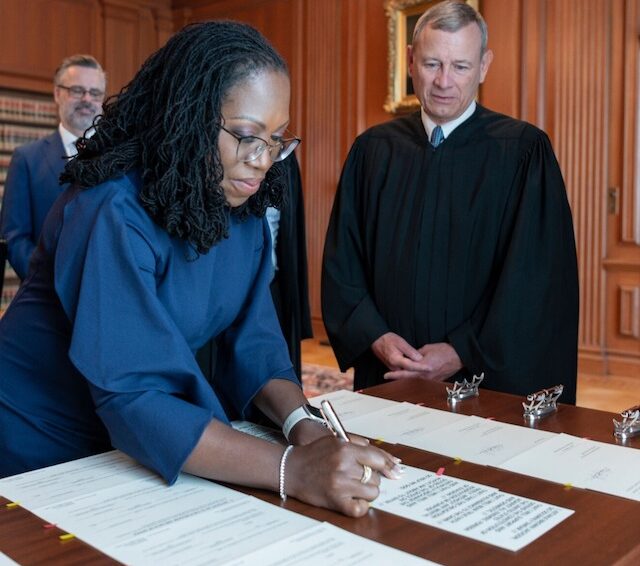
[{"x": 81, "y": 121}]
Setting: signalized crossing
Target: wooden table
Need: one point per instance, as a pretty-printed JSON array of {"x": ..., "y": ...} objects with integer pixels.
[{"x": 603, "y": 529}]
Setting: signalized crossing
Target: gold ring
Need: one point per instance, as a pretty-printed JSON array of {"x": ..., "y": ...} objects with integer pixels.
[{"x": 366, "y": 474}]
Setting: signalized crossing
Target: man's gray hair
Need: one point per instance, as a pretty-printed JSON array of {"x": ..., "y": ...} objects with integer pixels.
[
  {"x": 79, "y": 60},
  {"x": 451, "y": 16}
]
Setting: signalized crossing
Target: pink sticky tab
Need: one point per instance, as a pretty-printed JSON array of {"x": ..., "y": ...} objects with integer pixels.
[
  {"x": 491, "y": 418},
  {"x": 359, "y": 391},
  {"x": 420, "y": 404},
  {"x": 440, "y": 471},
  {"x": 49, "y": 526}
]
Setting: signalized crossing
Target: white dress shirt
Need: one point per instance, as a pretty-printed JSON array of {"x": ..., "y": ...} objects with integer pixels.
[{"x": 447, "y": 128}]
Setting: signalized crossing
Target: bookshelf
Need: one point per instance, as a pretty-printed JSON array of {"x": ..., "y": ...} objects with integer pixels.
[{"x": 24, "y": 117}]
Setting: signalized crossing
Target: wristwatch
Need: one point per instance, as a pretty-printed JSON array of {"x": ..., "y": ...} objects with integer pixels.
[{"x": 301, "y": 413}]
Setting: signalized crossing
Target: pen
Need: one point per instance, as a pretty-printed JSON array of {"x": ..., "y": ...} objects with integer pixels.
[{"x": 332, "y": 420}]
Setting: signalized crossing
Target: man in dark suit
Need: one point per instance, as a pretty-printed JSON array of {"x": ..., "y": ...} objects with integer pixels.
[{"x": 32, "y": 180}]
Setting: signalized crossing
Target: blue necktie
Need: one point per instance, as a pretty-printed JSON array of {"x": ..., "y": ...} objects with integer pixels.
[{"x": 437, "y": 137}]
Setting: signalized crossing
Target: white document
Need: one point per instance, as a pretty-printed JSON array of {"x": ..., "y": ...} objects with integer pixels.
[
  {"x": 192, "y": 522},
  {"x": 325, "y": 545},
  {"x": 260, "y": 431},
  {"x": 6, "y": 561},
  {"x": 583, "y": 463},
  {"x": 481, "y": 441},
  {"x": 130, "y": 514},
  {"x": 349, "y": 404},
  {"x": 401, "y": 423},
  {"x": 72, "y": 479},
  {"x": 476, "y": 511}
]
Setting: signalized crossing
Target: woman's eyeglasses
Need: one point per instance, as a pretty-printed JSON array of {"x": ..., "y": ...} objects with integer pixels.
[{"x": 252, "y": 147}]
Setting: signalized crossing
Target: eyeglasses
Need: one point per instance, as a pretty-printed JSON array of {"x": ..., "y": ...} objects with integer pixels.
[
  {"x": 79, "y": 92},
  {"x": 252, "y": 147}
]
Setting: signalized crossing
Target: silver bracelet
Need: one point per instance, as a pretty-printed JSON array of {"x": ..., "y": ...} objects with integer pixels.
[{"x": 283, "y": 462}]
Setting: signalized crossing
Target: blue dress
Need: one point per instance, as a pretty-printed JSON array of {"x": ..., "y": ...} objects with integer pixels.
[{"x": 97, "y": 348}]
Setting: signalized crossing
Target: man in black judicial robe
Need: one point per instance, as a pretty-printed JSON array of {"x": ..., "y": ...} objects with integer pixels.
[{"x": 442, "y": 262}]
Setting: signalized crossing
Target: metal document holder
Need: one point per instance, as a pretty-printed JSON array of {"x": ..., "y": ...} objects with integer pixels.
[
  {"x": 630, "y": 424},
  {"x": 465, "y": 389},
  {"x": 542, "y": 403}
]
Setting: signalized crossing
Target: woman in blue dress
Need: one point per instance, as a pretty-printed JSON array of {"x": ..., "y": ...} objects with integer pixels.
[{"x": 159, "y": 245}]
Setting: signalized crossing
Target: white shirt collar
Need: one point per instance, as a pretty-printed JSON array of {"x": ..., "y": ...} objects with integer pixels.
[
  {"x": 69, "y": 140},
  {"x": 447, "y": 128}
]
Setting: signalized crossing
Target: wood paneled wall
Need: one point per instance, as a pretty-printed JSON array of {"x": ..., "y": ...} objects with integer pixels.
[
  {"x": 622, "y": 254},
  {"x": 337, "y": 53},
  {"x": 571, "y": 67},
  {"x": 37, "y": 34},
  {"x": 568, "y": 66},
  {"x": 577, "y": 99}
]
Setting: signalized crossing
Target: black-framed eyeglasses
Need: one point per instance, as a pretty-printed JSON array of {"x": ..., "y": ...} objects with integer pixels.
[
  {"x": 252, "y": 147},
  {"x": 78, "y": 92}
]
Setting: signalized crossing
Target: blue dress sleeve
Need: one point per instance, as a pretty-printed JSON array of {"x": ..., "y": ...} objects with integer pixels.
[
  {"x": 145, "y": 382},
  {"x": 253, "y": 347}
]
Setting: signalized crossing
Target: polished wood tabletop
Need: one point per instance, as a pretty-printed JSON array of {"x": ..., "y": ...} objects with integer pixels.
[{"x": 603, "y": 529}]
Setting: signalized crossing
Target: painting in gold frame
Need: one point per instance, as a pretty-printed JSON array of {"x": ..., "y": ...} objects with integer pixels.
[{"x": 402, "y": 17}]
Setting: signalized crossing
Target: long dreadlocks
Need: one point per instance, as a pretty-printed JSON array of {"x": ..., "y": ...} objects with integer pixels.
[{"x": 166, "y": 123}]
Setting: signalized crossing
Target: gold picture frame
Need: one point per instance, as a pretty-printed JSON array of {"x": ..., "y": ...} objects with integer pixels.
[{"x": 402, "y": 17}]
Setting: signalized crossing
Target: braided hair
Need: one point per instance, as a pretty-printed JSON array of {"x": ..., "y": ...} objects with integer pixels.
[{"x": 166, "y": 123}]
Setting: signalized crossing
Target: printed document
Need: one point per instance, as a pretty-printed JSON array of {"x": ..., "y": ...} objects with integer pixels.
[
  {"x": 481, "y": 441},
  {"x": 129, "y": 513},
  {"x": 469, "y": 509},
  {"x": 349, "y": 404},
  {"x": 324, "y": 545},
  {"x": 582, "y": 463},
  {"x": 401, "y": 423}
]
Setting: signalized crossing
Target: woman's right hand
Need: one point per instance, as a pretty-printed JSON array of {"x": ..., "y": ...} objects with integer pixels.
[{"x": 328, "y": 473}]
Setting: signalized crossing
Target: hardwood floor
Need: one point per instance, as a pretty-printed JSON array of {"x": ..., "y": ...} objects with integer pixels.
[{"x": 606, "y": 393}]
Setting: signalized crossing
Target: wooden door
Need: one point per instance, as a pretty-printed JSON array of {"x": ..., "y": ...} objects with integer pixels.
[{"x": 622, "y": 252}]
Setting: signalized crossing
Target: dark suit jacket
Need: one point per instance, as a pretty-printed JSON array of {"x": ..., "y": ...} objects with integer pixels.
[{"x": 30, "y": 190}]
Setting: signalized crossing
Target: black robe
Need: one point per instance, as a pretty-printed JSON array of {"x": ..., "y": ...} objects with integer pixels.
[
  {"x": 471, "y": 243},
  {"x": 289, "y": 289}
]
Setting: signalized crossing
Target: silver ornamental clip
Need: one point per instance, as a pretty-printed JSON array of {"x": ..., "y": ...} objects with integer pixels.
[
  {"x": 466, "y": 389},
  {"x": 542, "y": 403},
  {"x": 630, "y": 425}
]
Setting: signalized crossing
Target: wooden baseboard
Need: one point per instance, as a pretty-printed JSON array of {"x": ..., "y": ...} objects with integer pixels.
[
  {"x": 591, "y": 363},
  {"x": 624, "y": 366},
  {"x": 608, "y": 364}
]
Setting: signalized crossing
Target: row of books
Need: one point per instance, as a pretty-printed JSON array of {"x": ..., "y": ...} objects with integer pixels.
[
  {"x": 9, "y": 291},
  {"x": 16, "y": 108},
  {"x": 4, "y": 168},
  {"x": 12, "y": 136}
]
